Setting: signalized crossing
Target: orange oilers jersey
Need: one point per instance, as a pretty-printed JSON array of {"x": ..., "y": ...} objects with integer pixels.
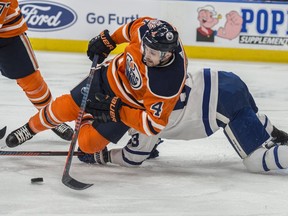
[
  {"x": 12, "y": 22},
  {"x": 150, "y": 92}
]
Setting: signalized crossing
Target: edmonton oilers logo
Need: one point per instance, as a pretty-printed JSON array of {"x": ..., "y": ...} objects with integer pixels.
[
  {"x": 132, "y": 73},
  {"x": 46, "y": 15}
]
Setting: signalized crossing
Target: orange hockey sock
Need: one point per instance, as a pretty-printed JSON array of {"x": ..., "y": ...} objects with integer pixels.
[
  {"x": 36, "y": 89},
  {"x": 61, "y": 110}
]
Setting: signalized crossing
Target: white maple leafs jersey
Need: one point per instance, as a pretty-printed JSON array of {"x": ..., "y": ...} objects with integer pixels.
[
  {"x": 197, "y": 119},
  {"x": 194, "y": 117}
]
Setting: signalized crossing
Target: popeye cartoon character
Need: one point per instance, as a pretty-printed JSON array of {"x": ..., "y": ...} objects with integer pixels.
[{"x": 208, "y": 18}]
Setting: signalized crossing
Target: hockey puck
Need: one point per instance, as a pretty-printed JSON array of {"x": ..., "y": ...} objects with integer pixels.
[{"x": 37, "y": 180}]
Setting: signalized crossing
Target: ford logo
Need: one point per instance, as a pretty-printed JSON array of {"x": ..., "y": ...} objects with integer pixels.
[{"x": 47, "y": 15}]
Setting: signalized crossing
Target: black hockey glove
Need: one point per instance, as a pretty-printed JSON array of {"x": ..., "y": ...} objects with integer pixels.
[
  {"x": 101, "y": 157},
  {"x": 101, "y": 45},
  {"x": 105, "y": 109}
]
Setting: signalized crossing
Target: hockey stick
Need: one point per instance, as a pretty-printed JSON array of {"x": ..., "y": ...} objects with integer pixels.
[
  {"x": 66, "y": 178},
  {"x": 38, "y": 153},
  {"x": 2, "y": 132}
]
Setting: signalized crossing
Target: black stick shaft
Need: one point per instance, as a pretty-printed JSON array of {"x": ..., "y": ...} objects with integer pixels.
[
  {"x": 38, "y": 153},
  {"x": 66, "y": 178}
]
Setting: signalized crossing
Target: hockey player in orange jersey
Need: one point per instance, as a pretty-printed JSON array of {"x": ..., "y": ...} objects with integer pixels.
[
  {"x": 18, "y": 62},
  {"x": 144, "y": 84}
]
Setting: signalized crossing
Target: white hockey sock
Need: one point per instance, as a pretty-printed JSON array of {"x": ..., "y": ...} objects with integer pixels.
[{"x": 264, "y": 159}]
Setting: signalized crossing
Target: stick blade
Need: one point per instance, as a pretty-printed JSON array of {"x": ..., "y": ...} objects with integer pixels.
[
  {"x": 3, "y": 132},
  {"x": 74, "y": 184}
]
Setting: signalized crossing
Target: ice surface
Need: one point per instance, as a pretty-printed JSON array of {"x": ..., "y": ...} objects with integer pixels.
[{"x": 194, "y": 178}]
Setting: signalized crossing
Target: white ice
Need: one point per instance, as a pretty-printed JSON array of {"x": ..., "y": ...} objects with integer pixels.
[{"x": 195, "y": 178}]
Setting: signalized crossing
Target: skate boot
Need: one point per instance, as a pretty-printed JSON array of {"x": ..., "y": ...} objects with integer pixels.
[
  {"x": 279, "y": 137},
  {"x": 2, "y": 132},
  {"x": 19, "y": 136},
  {"x": 64, "y": 131}
]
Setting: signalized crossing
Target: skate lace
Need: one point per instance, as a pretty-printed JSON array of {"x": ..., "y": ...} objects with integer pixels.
[
  {"x": 61, "y": 128},
  {"x": 97, "y": 157},
  {"x": 23, "y": 134}
]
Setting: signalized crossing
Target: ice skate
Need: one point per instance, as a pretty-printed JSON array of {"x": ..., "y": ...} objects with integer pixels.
[
  {"x": 2, "y": 132},
  {"x": 19, "y": 136},
  {"x": 64, "y": 131},
  {"x": 279, "y": 137}
]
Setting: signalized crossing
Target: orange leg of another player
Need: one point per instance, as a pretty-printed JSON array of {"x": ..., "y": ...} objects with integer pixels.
[{"x": 36, "y": 89}]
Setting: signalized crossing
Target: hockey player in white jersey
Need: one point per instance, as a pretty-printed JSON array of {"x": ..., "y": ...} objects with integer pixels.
[{"x": 211, "y": 100}]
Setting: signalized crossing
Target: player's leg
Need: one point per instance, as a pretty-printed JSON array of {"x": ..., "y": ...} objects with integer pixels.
[
  {"x": 17, "y": 57},
  {"x": 61, "y": 110},
  {"x": 273, "y": 154},
  {"x": 25, "y": 71},
  {"x": 39, "y": 94},
  {"x": 248, "y": 131},
  {"x": 263, "y": 159},
  {"x": 64, "y": 108},
  {"x": 100, "y": 157},
  {"x": 260, "y": 149},
  {"x": 245, "y": 132},
  {"x": 94, "y": 137},
  {"x": 236, "y": 114}
]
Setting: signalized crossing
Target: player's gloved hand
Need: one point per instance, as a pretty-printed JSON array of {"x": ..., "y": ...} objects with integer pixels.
[
  {"x": 101, "y": 157},
  {"x": 105, "y": 109},
  {"x": 101, "y": 45}
]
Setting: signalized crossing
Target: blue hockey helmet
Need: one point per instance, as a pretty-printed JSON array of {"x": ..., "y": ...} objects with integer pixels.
[{"x": 162, "y": 37}]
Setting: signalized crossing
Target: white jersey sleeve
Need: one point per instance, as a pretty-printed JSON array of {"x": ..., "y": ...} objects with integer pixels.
[{"x": 136, "y": 151}]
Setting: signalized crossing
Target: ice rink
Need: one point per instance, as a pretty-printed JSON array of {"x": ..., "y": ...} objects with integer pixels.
[{"x": 192, "y": 178}]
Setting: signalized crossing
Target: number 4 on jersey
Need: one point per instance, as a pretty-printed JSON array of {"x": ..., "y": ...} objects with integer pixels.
[{"x": 157, "y": 107}]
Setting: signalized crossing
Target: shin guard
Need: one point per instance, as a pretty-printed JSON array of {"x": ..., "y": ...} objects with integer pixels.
[{"x": 245, "y": 132}]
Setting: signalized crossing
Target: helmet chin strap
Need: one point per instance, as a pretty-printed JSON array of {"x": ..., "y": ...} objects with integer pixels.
[
  {"x": 164, "y": 62},
  {"x": 162, "y": 55}
]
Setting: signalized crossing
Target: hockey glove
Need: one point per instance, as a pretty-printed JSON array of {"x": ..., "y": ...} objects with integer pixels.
[
  {"x": 101, "y": 157},
  {"x": 105, "y": 109},
  {"x": 101, "y": 45}
]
